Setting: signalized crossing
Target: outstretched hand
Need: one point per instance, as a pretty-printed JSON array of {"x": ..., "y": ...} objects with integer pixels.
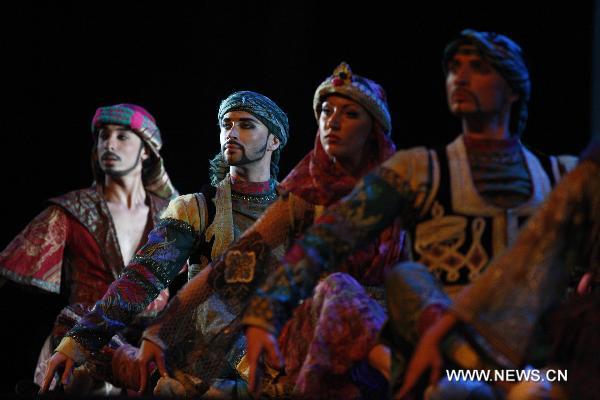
[
  {"x": 258, "y": 340},
  {"x": 149, "y": 351},
  {"x": 56, "y": 361},
  {"x": 427, "y": 356}
]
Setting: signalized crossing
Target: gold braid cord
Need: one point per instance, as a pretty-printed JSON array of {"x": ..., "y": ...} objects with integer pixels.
[{"x": 222, "y": 226}]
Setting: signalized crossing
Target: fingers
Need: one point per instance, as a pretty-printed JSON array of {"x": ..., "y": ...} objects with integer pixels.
[
  {"x": 434, "y": 375},
  {"x": 69, "y": 364},
  {"x": 257, "y": 340},
  {"x": 48, "y": 378},
  {"x": 585, "y": 284},
  {"x": 415, "y": 370},
  {"x": 254, "y": 348},
  {"x": 142, "y": 365},
  {"x": 55, "y": 361},
  {"x": 404, "y": 390},
  {"x": 160, "y": 361},
  {"x": 274, "y": 356},
  {"x": 380, "y": 358},
  {"x": 413, "y": 374},
  {"x": 253, "y": 353}
]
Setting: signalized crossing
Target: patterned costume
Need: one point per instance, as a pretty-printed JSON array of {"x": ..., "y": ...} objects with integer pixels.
[
  {"x": 462, "y": 203},
  {"x": 554, "y": 250},
  {"x": 196, "y": 226},
  {"x": 405, "y": 187},
  {"x": 336, "y": 328},
  {"x": 72, "y": 245},
  {"x": 523, "y": 309}
]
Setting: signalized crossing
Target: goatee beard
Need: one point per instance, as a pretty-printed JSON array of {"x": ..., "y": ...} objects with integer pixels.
[
  {"x": 121, "y": 173},
  {"x": 244, "y": 160}
]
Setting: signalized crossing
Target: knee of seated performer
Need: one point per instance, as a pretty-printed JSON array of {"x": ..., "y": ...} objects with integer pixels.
[
  {"x": 340, "y": 279},
  {"x": 335, "y": 284}
]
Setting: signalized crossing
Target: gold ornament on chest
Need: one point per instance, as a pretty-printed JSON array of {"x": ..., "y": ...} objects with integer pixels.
[{"x": 438, "y": 242}]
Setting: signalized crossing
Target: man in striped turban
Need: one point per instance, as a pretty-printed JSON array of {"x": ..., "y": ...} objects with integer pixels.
[{"x": 84, "y": 239}]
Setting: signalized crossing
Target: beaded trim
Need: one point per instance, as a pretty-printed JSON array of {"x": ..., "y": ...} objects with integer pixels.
[
  {"x": 161, "y": 270},
  {"x": 51, "y": 287},
  {"x": 176, "y": 223},
  {"x": 258, "y": 199}
]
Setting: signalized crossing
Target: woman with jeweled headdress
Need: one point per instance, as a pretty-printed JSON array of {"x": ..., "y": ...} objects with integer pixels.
[{"x": 330, "y": 346}]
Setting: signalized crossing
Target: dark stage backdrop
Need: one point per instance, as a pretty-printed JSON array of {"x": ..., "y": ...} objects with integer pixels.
[{"x": 61, "y": 61}]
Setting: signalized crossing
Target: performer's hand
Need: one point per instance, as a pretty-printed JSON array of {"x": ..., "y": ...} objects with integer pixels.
[
  {"x": 150, "y": 352},
  {"x": 258, "y": 340},
  {"x": 58, "y": 359},
  {"x": 585, "y": 284},
  {"x": 426, "y": 356}
]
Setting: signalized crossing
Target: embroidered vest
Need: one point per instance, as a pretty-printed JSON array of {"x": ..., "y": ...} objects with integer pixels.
[{"x": 461, "y": 232}]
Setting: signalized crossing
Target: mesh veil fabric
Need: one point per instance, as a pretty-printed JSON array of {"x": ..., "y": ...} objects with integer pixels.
[{"x": 201, "y": 329}]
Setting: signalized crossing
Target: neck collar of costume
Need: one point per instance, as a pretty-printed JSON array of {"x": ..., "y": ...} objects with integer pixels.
[
  {"x": 487, "y": 145},
  {"x": 256, "y": 192}
]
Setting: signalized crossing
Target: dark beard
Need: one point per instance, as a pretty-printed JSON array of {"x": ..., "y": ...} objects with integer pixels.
[
  {"x": 245, "y": 159},
  {"x": 119, "y": 174}
]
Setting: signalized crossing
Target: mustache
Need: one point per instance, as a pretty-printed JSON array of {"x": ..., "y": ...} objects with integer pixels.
[
  {"x": 108, "y": 155},
  {"x": 463, "y": 91},
  {"x": 232, "y": 142}
]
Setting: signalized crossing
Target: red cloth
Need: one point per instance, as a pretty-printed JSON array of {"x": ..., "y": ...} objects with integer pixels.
[
  {"x": 318, "y": 180},
  {"x": 55, "y": 243},
  {"x": 327, "y": 335},
  {"x": 35, "y": 256},
  {"x": 241, "y": 186},
  {"x": 338, "y": 325},
  {"x": 89, "y": 277},
  {"x": 72, "y": 246}
]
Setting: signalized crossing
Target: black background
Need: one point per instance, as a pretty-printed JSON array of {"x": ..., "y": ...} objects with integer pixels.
[{"x": 178, "y": 60}]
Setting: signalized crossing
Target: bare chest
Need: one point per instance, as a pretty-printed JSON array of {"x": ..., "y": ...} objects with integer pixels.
[{"x": 131, "y": 226}]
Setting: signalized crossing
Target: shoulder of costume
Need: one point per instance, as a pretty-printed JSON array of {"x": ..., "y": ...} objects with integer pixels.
[
  {"x": 79, "y": 203},
  {"x": 160, "y": 203},
  {"x": 414, "y": 171},
  {"x": 555, "y": 166},
  {"x": 190, "y": 209},
  {"x": 410, "y": 161},
  {"x": 86, "y": 195}
]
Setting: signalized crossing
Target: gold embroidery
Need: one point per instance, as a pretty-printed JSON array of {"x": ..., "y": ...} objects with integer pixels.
[
  {"x": 149, "y": 250},
  {"x": 357, "y": 214},
  {"x": 243, "y": 368},
  {"x": 467, "y": 201},
  {"x": 185, "y": 208},
  {"x": 477, "y": 257},
  {"x": 239, "y": 267},
  {"x": 222, "y": 226},
  {"x": 438, "y": 242}
]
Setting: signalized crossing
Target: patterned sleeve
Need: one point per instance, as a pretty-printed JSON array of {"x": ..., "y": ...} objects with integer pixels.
[
  {"x": 233, "y": 276},
  {"x": 150, "y": 271},
  {"x": 35, "y": 256},
  {"x": 279, "y": 220},
  {"x": 399, "y": 188}
]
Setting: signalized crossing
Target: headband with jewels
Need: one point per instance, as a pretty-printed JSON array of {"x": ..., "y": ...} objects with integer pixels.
[{"x": 365, "y": 92}]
